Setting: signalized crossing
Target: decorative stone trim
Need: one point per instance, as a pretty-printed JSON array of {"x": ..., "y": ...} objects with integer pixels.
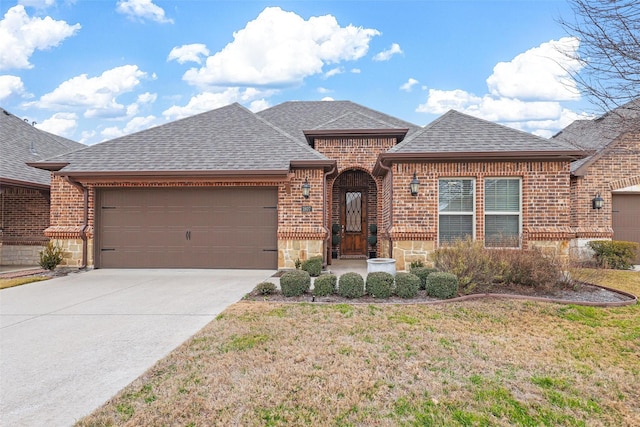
[
  {"x": 67, "y": 232},
  {"x": 625, "y": 182},
  {"x": 302, "y": 233},
  {"x": 34, "y": 241},
  {"x": 593, "y": 233},
  {"x": 549, "y": 233}
]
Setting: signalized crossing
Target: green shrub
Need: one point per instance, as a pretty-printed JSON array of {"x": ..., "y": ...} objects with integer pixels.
[
  {"x": 407, "y": 285},
  {"x": 379, "y": 284},
  {"x": 416, "y": 264},
  {"x": 469, "y": 261},
  {"x": 265, "y": 288},
  {"x": 442, "y": 285},
  {"x": 313, "y": 266},
  {"x": 614, "y": 254},
  {"x": 351, "y": 285},
  {"x": 50, "y": 256},
  {"x": 294, "y": 283},
  {"x": 297, "y": 263},
  {"x": 325, "y": 285},
  {"x": 423, "y": 273}
]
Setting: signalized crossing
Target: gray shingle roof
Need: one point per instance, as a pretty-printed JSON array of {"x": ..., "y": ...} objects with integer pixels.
[
  {"x": 20, "y": 142},
  {"x": 455, "y": 132},
  {"x": 230, "y": 138},
  {"x": 595, "y": 135},
  {"x": 294, "y": 117}
]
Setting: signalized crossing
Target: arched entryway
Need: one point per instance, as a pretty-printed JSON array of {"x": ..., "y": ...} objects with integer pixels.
[{"x": 354, "y": 215}]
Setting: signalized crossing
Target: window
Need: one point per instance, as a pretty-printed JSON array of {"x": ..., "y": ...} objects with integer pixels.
[
  {"x": 502, "y": 212},
  {"x": 456, "y": 206}
]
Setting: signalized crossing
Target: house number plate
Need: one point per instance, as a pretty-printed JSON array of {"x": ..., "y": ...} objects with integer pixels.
[{"x": 307, "y": 209}]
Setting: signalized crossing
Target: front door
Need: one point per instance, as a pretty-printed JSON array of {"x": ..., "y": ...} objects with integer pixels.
[{"x": 354, "y": 222}]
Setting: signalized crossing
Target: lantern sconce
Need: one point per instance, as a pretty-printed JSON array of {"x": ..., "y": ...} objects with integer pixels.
[
  {"x": 414, "y": 185},
  {"x": 597, "y": 202},
  {"x": 306, "y": 188}
]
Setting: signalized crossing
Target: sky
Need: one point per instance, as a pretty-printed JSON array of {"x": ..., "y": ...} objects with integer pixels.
[{"x": 94, "y": 70}]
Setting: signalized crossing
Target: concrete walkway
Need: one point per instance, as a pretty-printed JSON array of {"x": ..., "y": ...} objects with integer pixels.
[{"x": 69, "y": 344}]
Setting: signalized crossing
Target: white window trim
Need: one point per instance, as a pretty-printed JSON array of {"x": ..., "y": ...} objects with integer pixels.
[
  {"x": 519, "y": 213},
  {"x": 473, "y": 209}
]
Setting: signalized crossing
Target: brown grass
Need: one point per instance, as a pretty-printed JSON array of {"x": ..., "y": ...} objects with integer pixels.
[
  {"x": 490, "y": 362},
  {"x": 9, "y": 283}
]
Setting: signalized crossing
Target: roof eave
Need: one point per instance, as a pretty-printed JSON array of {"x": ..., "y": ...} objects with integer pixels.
[
  {"x": 24, "y": 184},
  {"x": 218, "y": 174},
  {"x": 313, "y": 164},
  {"x": 389, "y": 158},
  {"x": 48, "y": 166},
  {"x": 400, "y": 133}
]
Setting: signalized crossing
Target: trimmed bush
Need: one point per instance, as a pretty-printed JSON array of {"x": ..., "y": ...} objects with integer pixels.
[
  {"x": 313, "y": 266},
  {"x": 442, "y": 285},
  {"x": 527, "y": 267},
  {"x": 469, "y": 261},
  {"x": 423, "y": 273},
  {"x": 379, "y": 284},
  {"x": 294, "y": 283},
  {"x": 50, "y": 256},
  {"x": 407, "y": 285},
  {"x": 325, "y": 285},
  {"x": 351, "y": 285},
  {"x": 265, "y": 288},
  {"x": 618, "y": 255}
]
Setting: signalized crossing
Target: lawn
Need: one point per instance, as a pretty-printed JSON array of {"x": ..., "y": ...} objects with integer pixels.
[
  {"x": 475, "y": 363},
  {"x": 17, "y": 281}
]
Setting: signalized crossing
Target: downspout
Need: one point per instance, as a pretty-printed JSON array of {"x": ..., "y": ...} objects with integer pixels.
[
  {"x": 325, "y": 249},
  {"x": 389, "y": 170},
  {"x": 85, "y": 223}
]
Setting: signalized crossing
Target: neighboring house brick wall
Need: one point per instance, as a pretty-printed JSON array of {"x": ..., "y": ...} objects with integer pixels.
[{"x": 24, "y": 217}]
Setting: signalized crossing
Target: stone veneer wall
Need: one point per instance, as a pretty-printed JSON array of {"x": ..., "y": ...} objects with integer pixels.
[
  {"x": 20, "y": 254},
  {"x": 291, "y": 250}
]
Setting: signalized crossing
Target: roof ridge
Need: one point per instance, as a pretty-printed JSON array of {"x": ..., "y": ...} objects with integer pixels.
[{"x": 419, "y": 132}]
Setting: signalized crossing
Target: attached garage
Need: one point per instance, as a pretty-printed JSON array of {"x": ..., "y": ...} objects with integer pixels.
[
  {"x": 187, "y": 227},
  {"x": 626, "y": 218}
]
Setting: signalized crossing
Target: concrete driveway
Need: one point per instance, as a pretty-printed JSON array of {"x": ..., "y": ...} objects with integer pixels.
[{"x": 69, "y": 344}]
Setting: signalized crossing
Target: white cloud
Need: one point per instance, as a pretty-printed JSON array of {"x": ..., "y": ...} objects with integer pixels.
[
  {"x": 281, "y": 48},
  {"x": 259, "y": 105},
  {"x": 21, "y": 35},
  {"x": 327, "y": 98},
  {"x": 38, "y": 4},
  {"x": 188, "y": 52},
  {"x": 408, "y": 86},
  {"x": 356, "y": 71},
  {"x": 333, "y": 72},
  {"x": 98, "y": 95},
  {"x": 540, "y": 73},
  {"x": 134, "y": 125},
  {"x": 10, "y": 85},
  {"x": 142, "y": 10},
  {"x": 386, "y": 55},
  {"x": 525, "y": 93},
  {"x": 63, "y": 124},
  {"x": 324, "y": 90},
  {"x": 206, "y": 101}
]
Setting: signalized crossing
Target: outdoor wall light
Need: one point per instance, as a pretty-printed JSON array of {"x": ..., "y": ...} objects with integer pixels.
[
  {"x": 414, "y": 185},
  {"x": 306, "y": 188},
  {"x": 597, "y": 202}
]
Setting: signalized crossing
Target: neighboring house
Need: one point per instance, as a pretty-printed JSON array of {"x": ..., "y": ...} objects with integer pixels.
[
  {"x": 611, "y": 172},
  {"x": 228, "y": 189},
  {"x": 24, "y": 191}
]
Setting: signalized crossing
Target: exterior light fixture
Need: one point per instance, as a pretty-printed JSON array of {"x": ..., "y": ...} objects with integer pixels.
[
  {"x": 414, "y": 185},
  {"x": 306, "y": 188},
  {"x": 597, "y": 202}
]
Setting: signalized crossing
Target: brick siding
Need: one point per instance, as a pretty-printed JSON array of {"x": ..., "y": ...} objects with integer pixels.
[{"x": 24, "y": 215}]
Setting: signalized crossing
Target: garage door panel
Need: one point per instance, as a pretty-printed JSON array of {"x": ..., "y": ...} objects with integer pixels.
[{"x": 188, "y": 228}]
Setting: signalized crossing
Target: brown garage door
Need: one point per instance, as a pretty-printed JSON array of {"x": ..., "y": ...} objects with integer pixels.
[
  {"x": 626, "y": 218},
  {"x": 187, "y": 228}
]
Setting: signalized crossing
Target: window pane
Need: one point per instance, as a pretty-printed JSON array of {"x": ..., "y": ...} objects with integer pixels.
[
  {"x": 354, "y": 211},
  {"x": 502, "y": 231},
  {"x": 502, "y": 195},
  {"x": 455, "y": 227},
  {"x": 455, "y": 195}
]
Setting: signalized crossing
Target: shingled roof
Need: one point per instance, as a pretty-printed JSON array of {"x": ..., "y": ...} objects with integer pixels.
[
  {"x": 20, "y": 143},
  {"x": 229, "y": 139},
  {"x": 296, "y": 117},
  {"x": 597, "y": 134},
  {"x": 460, "y": 134}
]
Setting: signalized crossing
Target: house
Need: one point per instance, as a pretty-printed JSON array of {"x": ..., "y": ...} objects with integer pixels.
[
  {"x": 611, "y": 173},
  {"x": 234, "y": 189},
  {"x": 24, "y": 191}
]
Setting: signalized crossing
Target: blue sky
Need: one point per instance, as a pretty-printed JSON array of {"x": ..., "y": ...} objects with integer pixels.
[{"x": 96, "y": 70}]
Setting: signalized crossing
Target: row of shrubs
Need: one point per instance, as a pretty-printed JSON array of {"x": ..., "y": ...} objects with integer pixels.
[{"x": 378, "y": 284}]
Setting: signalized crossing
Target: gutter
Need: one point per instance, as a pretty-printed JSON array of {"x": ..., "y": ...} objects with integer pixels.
[
  {"x": 389, "y": 170},
  {"x": 325, "y": 250},
  {"x": 85, "y": 223}
]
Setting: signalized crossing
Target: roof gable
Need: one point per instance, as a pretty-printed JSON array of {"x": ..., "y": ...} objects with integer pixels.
[
  {"x": 20, "y": 143},
  {"x": 230, "y": 138},
  {"x": 295, "y": 117},
  {"x": 455, "y": 132}
]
